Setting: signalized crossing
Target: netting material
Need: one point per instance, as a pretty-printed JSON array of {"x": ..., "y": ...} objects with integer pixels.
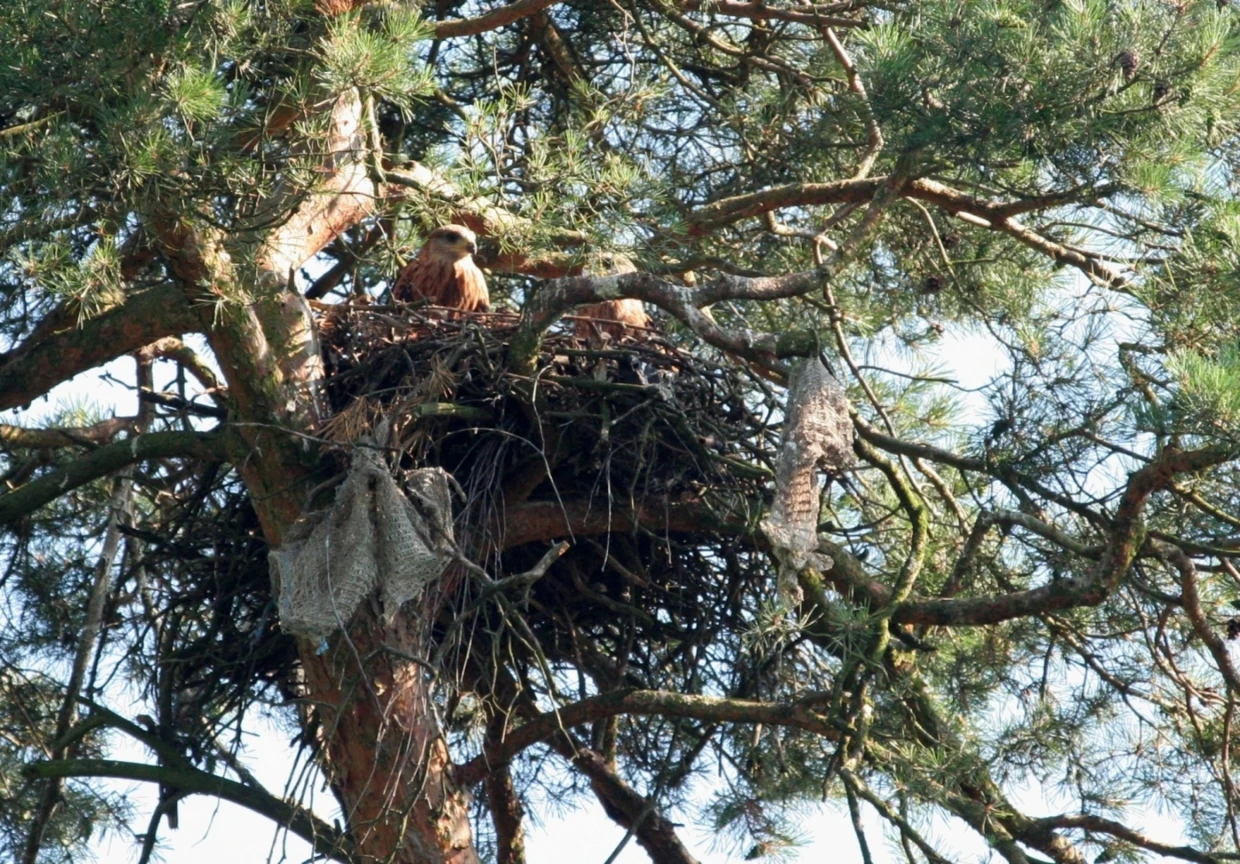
[
  {"x": 817, "y": 432},
  {"x": 372, "y": 536}
]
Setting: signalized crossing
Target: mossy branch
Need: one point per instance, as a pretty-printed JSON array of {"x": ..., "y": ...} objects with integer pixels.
[{"x": 685, "y": 303}]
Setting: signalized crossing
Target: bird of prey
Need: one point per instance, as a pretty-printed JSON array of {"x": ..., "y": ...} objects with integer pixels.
[
  {"x": 444, "y": 272},
  {"x": 613, "y": 317}
]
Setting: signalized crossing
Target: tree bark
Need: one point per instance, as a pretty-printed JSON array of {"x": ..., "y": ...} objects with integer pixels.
[{"x": 382, "y": 746}]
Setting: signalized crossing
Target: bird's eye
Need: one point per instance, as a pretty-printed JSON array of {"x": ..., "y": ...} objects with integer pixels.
[{"x": 451, "y": 236}]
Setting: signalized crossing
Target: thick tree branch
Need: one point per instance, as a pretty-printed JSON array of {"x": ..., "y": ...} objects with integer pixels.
[
  {"x": 1125, "y": 540},
  {"x": 171, "y": 348},
  {"x": 625, "y": 806},
  {"x": 630, "y": 701},
  {"x": 819, "y": 15},
  {"x": 1197, "y": 616},
  {"x": 620, "y": 801},
  {"x": 859, "y": 191},
  {"x": 103, "y": 461},
  {"x": 1102, "y": 825},
  {"x": 344, "y": 195},
  {"x": 492, "y": 20},
  {"x": 726, "y": 211},
  {"x": 507, "y": 812},
  {"x": 265, "y": 345},
  {"x": 34, "y": 368},
  {"x": 993, "y": 215},
  {"x": 685, "y": 303}
]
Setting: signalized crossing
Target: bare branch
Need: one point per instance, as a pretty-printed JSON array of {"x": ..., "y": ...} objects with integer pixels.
[
  {"x": 345, "y": 195},
  {"x": 99, "y": 463},
  {"x": 993, "y": 215},
  {"x": 625, "y": 806},
  {"x": 324, "y": 838},
  {"x": 629, "y": 701},
  {"x": 1197, "y": 616},
  {"x": 36, "y": 367},
  {"x": 52, "y": 790},
  {"x": 857, "y": 86},
  {"x": 492, "y": 20},
  {"x": 171, "y": 348},
  {"x": 507, "y": 813},
  {"x": 685, "y": 303},
  {"x": 1126, "y": 539},
  {"x": 1102, "y": 825},
  {"x": 13, "y": 437},
  {"x": 821, "y": 15}
]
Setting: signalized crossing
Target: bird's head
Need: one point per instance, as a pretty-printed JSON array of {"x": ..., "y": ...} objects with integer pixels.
[{"x": 453, "y": 241}]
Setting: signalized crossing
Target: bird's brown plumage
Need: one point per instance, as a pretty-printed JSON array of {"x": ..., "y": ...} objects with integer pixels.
[
  {"x": 444, "y": 272},
  {"x": 613, "y": 317},
  {"x": 616, "y": 318}
]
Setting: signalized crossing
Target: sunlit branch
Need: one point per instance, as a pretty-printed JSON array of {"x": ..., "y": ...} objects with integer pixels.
[
  {"x": 1201, "y": 625},
  {"x": 1102, "y": 825},
  {"x": 492, "y": 20},
  {"x": 817, "y": 15},
  {"x": 32, "y": 369},
  {"x": 993, "y": 215},
  {"x": 685, "y": 303},
  {"x": 15, "y": 437}
]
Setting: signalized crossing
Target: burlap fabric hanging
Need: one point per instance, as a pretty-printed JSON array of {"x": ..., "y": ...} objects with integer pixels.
[{"x": 372, "y": 536}]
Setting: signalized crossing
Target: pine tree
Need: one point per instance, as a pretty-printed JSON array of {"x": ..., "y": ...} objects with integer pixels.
[{"x": 1036, "y": 582}]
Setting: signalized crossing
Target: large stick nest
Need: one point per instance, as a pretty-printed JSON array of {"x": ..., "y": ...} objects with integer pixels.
[{"x": 607, "y": 427}]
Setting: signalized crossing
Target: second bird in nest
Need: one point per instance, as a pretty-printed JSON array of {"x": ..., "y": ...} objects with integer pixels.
[
  {"x": 444, "y": 273},
  {"x": 612, "y": 317}
]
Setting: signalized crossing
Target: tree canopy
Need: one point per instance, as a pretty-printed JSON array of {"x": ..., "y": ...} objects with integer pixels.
[{"x": 1034, "y": 583}]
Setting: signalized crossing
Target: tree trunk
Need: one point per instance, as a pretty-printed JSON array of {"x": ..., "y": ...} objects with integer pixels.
[
  {"x": 371, "y": 715},
  {"x": 382, "y": 745}
]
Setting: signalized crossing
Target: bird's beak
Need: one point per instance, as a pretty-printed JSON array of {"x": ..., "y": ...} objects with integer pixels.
[{"x": 473, "y": 248}]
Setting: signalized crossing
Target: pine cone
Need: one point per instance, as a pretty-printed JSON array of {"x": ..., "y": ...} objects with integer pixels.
[{"x": 1128, "y": 62}]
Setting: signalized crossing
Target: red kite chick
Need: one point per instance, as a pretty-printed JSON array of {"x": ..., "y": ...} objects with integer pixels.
[{"x": 613, "y": 317}]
